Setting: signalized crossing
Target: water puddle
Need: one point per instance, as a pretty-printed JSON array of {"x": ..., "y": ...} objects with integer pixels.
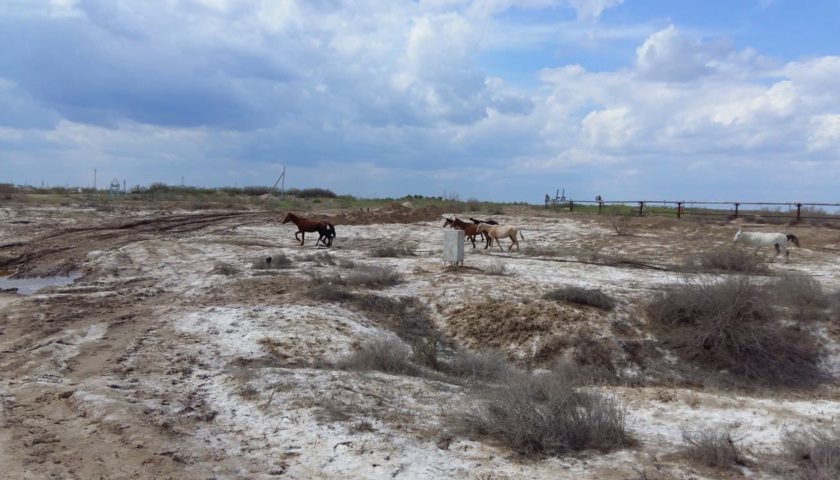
[{"x": 28, "y": 286}]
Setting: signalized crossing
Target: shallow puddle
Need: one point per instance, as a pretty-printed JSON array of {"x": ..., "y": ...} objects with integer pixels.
[{"x": 28, "y": 286}]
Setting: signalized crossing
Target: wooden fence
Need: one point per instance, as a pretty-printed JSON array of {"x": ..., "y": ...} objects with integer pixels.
[{"x": 797, "y": 211}]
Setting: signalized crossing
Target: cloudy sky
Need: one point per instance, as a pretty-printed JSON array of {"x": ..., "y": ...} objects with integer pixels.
[{"x": 493, "y": 99}]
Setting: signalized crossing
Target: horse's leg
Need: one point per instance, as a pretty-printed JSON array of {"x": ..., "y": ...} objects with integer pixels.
[
  {"x": 499, "y": 243},
  {"x": 302, "y": 237}
]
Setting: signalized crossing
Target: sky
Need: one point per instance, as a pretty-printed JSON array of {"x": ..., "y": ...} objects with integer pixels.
[{"x": 502, "y": 100}]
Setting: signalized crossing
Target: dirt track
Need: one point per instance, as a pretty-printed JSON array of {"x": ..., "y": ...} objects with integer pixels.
[{"x": 153, "y": 366}]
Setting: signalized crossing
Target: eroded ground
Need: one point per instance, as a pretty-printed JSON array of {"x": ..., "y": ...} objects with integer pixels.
[{"x": 159, "y": 363}]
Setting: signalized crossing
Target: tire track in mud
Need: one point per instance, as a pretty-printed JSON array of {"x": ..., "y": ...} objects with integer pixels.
[{"x": 61, "y": 252}]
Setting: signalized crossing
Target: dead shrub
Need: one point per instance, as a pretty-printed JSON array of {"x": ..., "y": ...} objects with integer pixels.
[
  {"x": 711, "y": 448},
  {"x": 373, "y": 276},
  {"x": 733, "y": 325},
  {"x": 223, "y": 268},
  {"x": 802, "y": 293},
  {"x": 498, "y": 269},
  {"x": 486, "y": 366},
  {"x": 592, "y": 297},
  {"x": 409, "y": 319},
  {"x": 596, "y": 355},
  {"x": 549, "y": 347},
  {"x": 726, "y": 260},
  {"x": 326, "y": 292},
  {"x": 382, "y": 353},
  {"x": 320, "y": 258},
  {"x": 272, "y": 262},
  {"x": 812, "y": 453},
  {"x": 348, "y": 264},
  {"x": 392, "y": 252},
  {"x": 620, "y": 222},
  {"x": 545, "y": 415},
  {"x": 541, "y": 251}
]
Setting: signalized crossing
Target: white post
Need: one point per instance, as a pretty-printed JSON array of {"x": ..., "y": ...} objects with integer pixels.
[{"x": 453, "y": 246}]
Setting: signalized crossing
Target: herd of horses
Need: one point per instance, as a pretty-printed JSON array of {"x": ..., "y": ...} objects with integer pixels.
[{"x": 490, "y": 230}]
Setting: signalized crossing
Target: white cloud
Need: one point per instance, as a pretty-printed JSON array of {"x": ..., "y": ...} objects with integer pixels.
[
  {"x": 609, "y": 129},
  {"x": 825, "y": 133},
  {"x": 670, "y": 55},
  {"x": 592, "y": 9}
]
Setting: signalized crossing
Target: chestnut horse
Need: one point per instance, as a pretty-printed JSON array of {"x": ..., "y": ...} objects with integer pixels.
[
  {"x": 326, "y": 230},
  {"x": 470, "y": 229}
]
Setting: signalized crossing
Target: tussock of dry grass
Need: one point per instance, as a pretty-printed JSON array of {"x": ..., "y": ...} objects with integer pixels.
[
  {"x": 373, "y": 276},
  {"x": 392, "y": 252},
  {"x": 735, "y": 325},
  {"x": 711, "y": 448},
  {"x": 271, "y": 262},
  {"x": 812, "y": 454},
  {"x": 545, "y": 415},
  {"x": 498, "y": 269},
  {"x": 223, "y": 268},
  {"x": 592, "y": 297},
  {"x": 382, "y": 353},
  {"x": 484, "y": 366},
  {"x": 726, "y": 260}
]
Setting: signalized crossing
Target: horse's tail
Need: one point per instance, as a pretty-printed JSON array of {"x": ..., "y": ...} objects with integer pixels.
[
  {"x": 792, "y": 238},
  {"x": 521, "y": 236}
]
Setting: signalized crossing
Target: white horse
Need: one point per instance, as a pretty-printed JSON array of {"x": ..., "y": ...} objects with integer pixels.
[
  {"x": 495, "y": 232},
  {"x": 766, "y": 239}
]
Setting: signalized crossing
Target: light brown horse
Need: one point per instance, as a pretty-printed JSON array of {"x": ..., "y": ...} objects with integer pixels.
[
  {"x": 470, "y": 229},
  {"x": 496, "y": 232},
  {"x": 326, "y": 230}
]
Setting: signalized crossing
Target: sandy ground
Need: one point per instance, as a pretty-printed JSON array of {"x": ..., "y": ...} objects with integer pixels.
[{"x": 151, "y": 365}]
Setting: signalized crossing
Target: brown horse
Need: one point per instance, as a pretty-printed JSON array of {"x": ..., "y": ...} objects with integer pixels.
[
  {"x": 326, "y": 230},
  {"x": 470, "y": 229}
]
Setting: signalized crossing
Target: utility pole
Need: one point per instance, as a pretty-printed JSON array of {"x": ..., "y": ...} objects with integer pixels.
[
  {"x": 182, "y": 181},
  {"x": 94, "y": 179}
]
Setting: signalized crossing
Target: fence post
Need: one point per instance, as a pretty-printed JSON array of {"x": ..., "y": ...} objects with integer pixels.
[
  {"x": 736, "y": 209},
  {"x": 641, "y": 209},
  {"x": 798, "y": 212},
  {"x": 571, "y": 206},
  {"x": 679, "y": 209},
  {"x": 600, "y": 207}
]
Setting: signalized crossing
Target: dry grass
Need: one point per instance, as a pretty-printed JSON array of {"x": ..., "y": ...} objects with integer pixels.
[
  {"x": 544, "y": 414},
  {"x": 392, "y": 252},
  {"x": 803, "y": 294},
  {"x": 620, "y": 223},
  {"x": 382, "y": 353},
  {"x": 541, "y": 251},
  {"x": 373, "y": 276},
  {"x": 484, "y": 366},
  {"x": 498, "y": 269},
  {"x": 726, "y": 260},
  {"x": 592, "y": 297},
  {"x": 223, "y": 268},
  {"x": 734, "y": 326},
  {"x": 711, "y": 448},
  {"x": 271, "y": 262},
  {"x": 320, "y": 258},
  {"x": 813, "y": 453}
]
